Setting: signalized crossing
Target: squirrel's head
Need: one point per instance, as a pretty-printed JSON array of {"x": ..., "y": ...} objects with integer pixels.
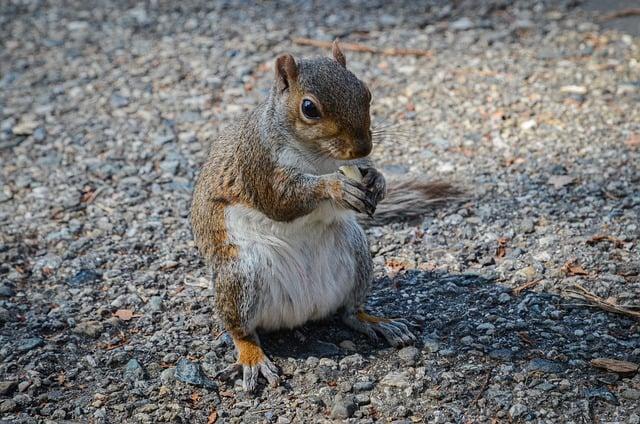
[{"x": 327, "y": 106}]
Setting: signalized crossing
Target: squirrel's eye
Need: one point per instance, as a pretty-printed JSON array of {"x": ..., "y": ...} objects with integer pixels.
[{"x": 310, "y": 110}]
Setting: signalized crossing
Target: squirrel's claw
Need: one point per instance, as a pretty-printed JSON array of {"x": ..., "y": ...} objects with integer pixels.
[
  {"x": 395, "y": 332},
  {"x": 229, "y": 372},
  {"x": 250, "y": 374}
]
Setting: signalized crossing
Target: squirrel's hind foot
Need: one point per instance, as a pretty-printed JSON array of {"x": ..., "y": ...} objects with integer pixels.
[
  {"x": 395, "y": 331},
  {"x": 252, "y": 361}
]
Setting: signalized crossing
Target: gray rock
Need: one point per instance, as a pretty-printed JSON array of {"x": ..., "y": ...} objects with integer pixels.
[
  {"x": 191, "y": 373},
  {"x": 461, "y": 24},
  {"x": 83, "y": 277},
  {"x": 29, "y": 344},
  {"x": 501, "y": 354},
  {"x": 155, "y": 304},
  {"x": 396, "y": 379},
  {"x": 504, "y": 298},
  {"x": 545, "y": 366},
  {"x": 601, "y": 393},
  {"x": 343, "y": 408},
  {"x": 6, "y": 291},
  {"x": 118, "y": 101},
  {"x": 631, "y": 394},
  {"x": 8, "y": 405},
  {"x": 431, "y": 345},
  {"x": 526, "y": 226},
  {"x": 362, "y": 386},
  {"x": 517, "y": 410},
  {"x": 5, "y": 315},
  {"x": 6, "y": 387},
  {"x": 133, "y": 371},
  {"x": 409, "y": 354},
  {"x": 168, "y": 376},
  {"x": 89, "y": 328}
]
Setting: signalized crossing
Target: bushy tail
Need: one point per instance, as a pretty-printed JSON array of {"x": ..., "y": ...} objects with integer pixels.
[{"x": 409, "y": 199}]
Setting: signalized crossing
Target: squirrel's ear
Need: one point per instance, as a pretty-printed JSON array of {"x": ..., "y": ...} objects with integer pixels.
[
  {"x": 337, "y": 53},
  {"x": 286, "y": 71}
]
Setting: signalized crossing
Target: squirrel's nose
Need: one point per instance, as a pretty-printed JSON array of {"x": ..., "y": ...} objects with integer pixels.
[{"x": 362, "y": 147}]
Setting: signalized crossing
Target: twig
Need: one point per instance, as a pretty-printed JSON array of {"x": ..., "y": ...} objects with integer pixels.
[
  {"x": 483, "y": 388},
  {"x": 526, "y": 286},
  {"x": 579, "y": 292},
  {"x": 355, "y": 47},
  {"x": 620, "y": 14}
]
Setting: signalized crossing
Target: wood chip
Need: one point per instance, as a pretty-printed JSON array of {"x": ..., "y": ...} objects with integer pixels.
[
  {"x": 579, "y": 292},
  {"x": 125, "y": 314},
  {"x": 526, "y": 286},
  {"x": 623, "y": 13},
  {"x": 597, "y": 239},
  {"x": 213, "y": 416},
  {"x": 615, "y": 365},
  {"x": 570, "y": 268}
]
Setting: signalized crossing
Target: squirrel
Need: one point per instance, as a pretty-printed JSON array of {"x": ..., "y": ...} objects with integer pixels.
[{"x": 277, "y": 221}]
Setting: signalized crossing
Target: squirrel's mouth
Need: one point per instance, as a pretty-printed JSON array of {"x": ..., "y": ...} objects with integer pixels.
[{"x": 347, "y": 150}]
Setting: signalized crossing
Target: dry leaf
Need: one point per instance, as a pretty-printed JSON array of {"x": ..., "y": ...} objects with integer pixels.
[
  {"x": 213, "y": 416},
  {"x": 397, "y": 265},
  {"x": 615, "y": 365},
  {"x": 559, "y": 181},
  {"x": 124, "y": 314},
  {"x": 596, "y": 239},
  {"x": 571, "y": 268},
  {"x": 633, "y": 141},
  {"x": 502, "y": 247},
  {"x": 195, "y": 397}
]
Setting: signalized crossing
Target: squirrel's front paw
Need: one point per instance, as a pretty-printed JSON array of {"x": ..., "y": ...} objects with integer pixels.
[
  {"x": 352, "y": 194},
  {"x": 375, "y": 183}
]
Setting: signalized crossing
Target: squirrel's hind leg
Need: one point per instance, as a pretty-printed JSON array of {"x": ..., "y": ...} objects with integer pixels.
[
  {"x": 252, "y": 361},
  {"x": 395, "y": 331},
  {"x": 236, "y": 304}
]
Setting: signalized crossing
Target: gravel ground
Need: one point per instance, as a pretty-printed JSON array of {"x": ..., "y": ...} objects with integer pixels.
[{"x": 105, "y": 310}]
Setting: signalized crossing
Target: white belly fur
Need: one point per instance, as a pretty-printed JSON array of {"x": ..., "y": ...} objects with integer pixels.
[{"x": 306, "y": 267}]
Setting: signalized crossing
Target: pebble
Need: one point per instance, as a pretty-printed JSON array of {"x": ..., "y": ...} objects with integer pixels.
[
  {"x": 431, "y": 345},
  {"x": 191, "y": 373},
  {"x": 517, "y": 410},
  {"x": 84, "y": 276},
  {"x": 409, "y": 354},
  {"x": 343, "y": 408},
  {"x": 89, "y": 328},
  {"x": 631, "y": 394},
  {"x": 348, "y": 345},
  {"x": 133, "y": 371},
  {"x": 6, "y": 387},
  {"x": 6, "y": 291},
  {"x": 545, "y": 366},
  {"x": 29, "y": 344},
  {"x": 8, "y": 405},
  {"x": 363, "y": 386},
  {"x": 396, "y": 379}
]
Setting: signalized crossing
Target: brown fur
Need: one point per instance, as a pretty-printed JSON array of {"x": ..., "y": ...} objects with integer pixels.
[
  {"x": 363, "y": 316},
  {"x": 249, "y": 351}
]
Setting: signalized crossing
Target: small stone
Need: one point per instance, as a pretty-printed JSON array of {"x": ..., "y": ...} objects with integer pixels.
[
  {"x": 8, "y": 405},
  {"x": 504, "y": 298},
  {"x": 23, "y": 386},
  {"x": 396, "y": 379},
  {"x": 352, "y": 361},
  {"x": 517, "y": 410},
  {"x": 168, "y": 376},
  {"x": 601, "y": 393},
  {"x": 362, "y": 399},
  {"x": 578, "y": 333},
  {"x": 501, "y": 354},
  {"x": 343, "y": 409},
  {"x": 633, "y": 419},
  {"x": 545, "y": 366},
  {"x": 461, "y": 24},
  {"x": 283, "y": 420},
  {"x": 573, "y": 89},
  {"x": 362, "y": 386},
  {"x": 29, "y": 344},
  {"x": 84, "y": 276},
  {"x": 133, "y": 371},
  {"x": 118, "y": 101},
  {"x": 6, "y": 387},
  {"x": 155, "y": 303},
  {"x": 5, "y": 315},
  {"x": 6, "y": 291},
  {"x": 631, "y": 394},
  {"x": 409, "y": 354},
  {"x": 191, "y": 373},
  {"x": 466, "y": 340},
  {"x": 89, "y": 328},
  {"x": 431, "y": 345},
  {"x": 26, "y": 127},
  {"x": 526, "y": 226}
]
